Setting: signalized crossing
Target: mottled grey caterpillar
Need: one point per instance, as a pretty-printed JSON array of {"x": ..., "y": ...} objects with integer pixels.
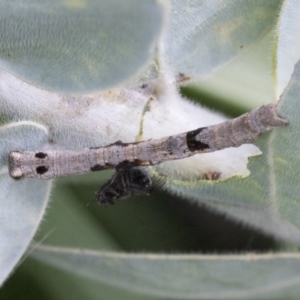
[
  {"x": 123, "y": 156},
  {"x": 129, "y": 180}
]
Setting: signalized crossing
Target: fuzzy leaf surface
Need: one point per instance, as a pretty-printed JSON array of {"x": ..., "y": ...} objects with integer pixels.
[
  {"x": 78, "y": 46},
  {"x": 204, "y": 35},
  {"x": 23, "y": 202},
  {"x": 183, "y": 276},
  {"x": 287, "y": 50}
]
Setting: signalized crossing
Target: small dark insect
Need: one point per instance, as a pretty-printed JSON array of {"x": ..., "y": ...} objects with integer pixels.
[{"x": 124, "y": 184}]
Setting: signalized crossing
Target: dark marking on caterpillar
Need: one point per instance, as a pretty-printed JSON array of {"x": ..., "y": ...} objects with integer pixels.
[
  {"x": 40, "y": 155},
  {"x": 41, "y": 170},
  {"x": 192, "y": 143}
]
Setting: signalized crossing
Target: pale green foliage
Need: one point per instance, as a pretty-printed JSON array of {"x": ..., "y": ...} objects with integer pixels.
[
  {"x": 184, "y": 276},
  {"x": 287, "y": 51},
  {"x": 78, "y": 45},
  {"x": 201, "y": 37},
  {"x": 17, "y": 229}
]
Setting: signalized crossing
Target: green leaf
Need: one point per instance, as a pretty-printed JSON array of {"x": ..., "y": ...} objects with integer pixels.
[
  {"x": 205, "y": 35},
  {"x": 46, "y": 282},
  {"x": 243, "y": 84},
  {"x": 287, "y": 48},
  {"x": 78, "y": 46},
  {"x": 183, "y": 276},
  {"x": 73, "y": 222},
  {"x": 268, "y": 198},
  {"x": 22, "y": 203}
]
